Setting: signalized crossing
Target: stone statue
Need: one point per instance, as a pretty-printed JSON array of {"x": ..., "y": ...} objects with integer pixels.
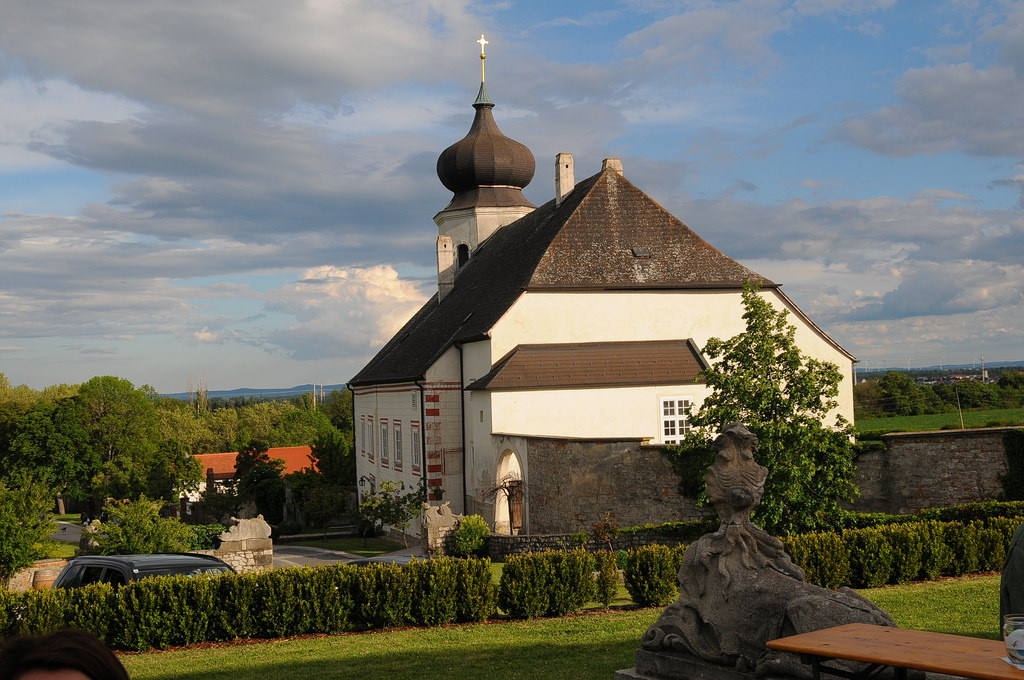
[
  {"x": 1011, "y": 583},
  {"x": 738, "y": 588}
]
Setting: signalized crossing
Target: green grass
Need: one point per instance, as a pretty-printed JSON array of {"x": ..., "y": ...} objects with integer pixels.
[
  {"x": 938, "y": 421},
  {"x": 354, "y": 545},
  {"x": 966, "y": 606},
  {"x": 73, "y": 518},
  {"x": 61, "y": 549},
  {"x": 594, "y": 645}
]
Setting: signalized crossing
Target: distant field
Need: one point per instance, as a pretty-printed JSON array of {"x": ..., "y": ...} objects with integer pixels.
[{"x": 939, "y": 421}]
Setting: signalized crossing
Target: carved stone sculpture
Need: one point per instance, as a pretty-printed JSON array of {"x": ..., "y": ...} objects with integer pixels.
[{"x": 738, "y": 588}]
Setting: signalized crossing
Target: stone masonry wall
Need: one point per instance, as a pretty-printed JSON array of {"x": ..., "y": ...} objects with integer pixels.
[
  {"x": 921, "y": 470},
  {"x": 572, "y": 483}
]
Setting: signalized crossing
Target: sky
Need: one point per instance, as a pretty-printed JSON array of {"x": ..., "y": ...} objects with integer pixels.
[{"x": 241, "y": 192}]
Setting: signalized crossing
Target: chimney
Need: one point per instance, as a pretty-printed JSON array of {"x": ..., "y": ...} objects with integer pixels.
[
  {"x": 445, "y": 266},
  {"x": 564, "y": 178},
  {"x": 613, "y": 164}
]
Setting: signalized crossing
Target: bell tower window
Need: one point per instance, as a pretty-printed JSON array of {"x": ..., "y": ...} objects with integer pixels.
[{"x": 462, "y": 255}]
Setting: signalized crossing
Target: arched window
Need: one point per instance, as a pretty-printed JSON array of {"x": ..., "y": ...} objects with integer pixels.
[{"x": 463, "y": 255}]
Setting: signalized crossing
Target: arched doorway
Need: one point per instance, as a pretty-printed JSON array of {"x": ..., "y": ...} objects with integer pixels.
[{"x": 508, "y": 503}]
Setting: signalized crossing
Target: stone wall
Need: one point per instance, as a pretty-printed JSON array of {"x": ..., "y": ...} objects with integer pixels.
[
  {"x": 921, "y": 470},
  {"x": 573, "y": 483}
]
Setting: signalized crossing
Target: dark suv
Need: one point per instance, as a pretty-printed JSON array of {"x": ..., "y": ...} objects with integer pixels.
[{"x": 120, "y": 569}]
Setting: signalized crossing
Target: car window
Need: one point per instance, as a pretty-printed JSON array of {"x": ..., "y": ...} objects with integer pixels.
[
  {"x": 69, "y": 578},
  {"x": 90, "y": 574},
  {"x": 184, "y": 570},
  {"x": 114, "y": 577}
]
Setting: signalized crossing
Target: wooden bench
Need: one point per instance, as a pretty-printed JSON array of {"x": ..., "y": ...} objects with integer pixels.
[{"x": 901, "y": 649}]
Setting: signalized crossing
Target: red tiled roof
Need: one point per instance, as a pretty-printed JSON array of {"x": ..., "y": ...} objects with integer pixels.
[{"x": 222, "y": 465}]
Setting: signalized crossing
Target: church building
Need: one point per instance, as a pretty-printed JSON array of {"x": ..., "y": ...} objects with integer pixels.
[{"x": 560, "y": 350}]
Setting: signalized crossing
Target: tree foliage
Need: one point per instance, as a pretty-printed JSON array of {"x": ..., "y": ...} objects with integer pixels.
[
  {"x": 391, "y": 505},
  {"x": 25, "y": 523},
  {"x": 260, "y": 481},
  {"x": 136, "y": 527},
  {"x": 762, "y": 379}
]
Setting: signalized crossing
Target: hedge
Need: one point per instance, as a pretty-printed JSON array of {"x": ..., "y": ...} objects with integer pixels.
[{"x": 166, "y": 611}]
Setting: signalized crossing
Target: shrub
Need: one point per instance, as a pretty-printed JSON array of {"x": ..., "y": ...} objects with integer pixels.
[
  {"x": 650, "y": 576},
  {"x": 870, "y": 557},
  {"x": 205, "y": 536},
  {"x": 963, "y": 545},
  {"x": 477, "y": 596},
  {"x": 607, "y": 576},
  {"x": 906, "y": 542},
  {"x": 621, "y": 559},
  {"x": 572, "y": 581},
  {"x": 824, "y": 557},
  {"x": 990, "y": 548},
  {"x": 935, "y": 552},
  {"x": 137, "y": 527},
  {"x": 383, "y": 595},
  {"x": 470, "y": 537},
  {"x": 434, "y": 591},
  {"x": 523, "y": 591}
]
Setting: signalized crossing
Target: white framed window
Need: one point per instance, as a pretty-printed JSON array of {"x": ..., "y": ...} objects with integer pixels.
[
  {"x": 414, "y": 444},
  {"x": 675, "y": 419},
  {"x": 369, "y": 438},
  {"x": 362, "y": 435},
  {"x": 383, "y": 442},
  {"x": 397, "y": 427}
]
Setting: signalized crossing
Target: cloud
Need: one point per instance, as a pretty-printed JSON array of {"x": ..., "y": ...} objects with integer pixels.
[{"x": 343, "y": 311}]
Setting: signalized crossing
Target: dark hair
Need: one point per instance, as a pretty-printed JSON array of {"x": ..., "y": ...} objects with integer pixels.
[{"x": 66, "y": 649}]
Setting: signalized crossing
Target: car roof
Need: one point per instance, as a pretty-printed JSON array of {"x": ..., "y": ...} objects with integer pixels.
[{"x": 151, "y": 561}]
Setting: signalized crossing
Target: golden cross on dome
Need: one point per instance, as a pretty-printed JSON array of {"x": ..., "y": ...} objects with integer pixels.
[{"x": 483, "y": 43}]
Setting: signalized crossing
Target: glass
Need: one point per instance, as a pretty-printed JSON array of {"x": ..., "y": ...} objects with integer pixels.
[{"x": 1013, "y": 636}]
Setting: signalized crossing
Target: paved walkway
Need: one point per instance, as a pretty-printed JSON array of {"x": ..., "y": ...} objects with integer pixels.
[{"x": 67, "y": 533}]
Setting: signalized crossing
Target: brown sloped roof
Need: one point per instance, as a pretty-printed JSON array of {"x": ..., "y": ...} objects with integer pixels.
[
  {"x": 586, "y": 243},
  {"x": 594, "y": 364}
]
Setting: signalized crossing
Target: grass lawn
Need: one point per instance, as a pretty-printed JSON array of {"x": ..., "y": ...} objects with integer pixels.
[
  {"x": 354, "y": 545},
  {"x": 937, "y": 421},
  {"x": 594, "y": 645},
  {"x": 61, "y": 549}
]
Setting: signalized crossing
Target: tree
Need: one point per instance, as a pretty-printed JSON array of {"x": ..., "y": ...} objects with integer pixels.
[
  {"x": 260, "y": 481},
  {"x": 25, "y": 523},
  {"x": 121, "y": 422},
  {"x": 173, "y": 471},
  {"x": 136, "y": 527},
  {"x": 332, "y": 457},
  {"x": 762, "y": 379},
  {"x": 392, "y": 505}
]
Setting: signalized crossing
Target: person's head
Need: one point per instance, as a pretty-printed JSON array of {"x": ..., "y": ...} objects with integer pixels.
[{"x": 62, "y": 655}]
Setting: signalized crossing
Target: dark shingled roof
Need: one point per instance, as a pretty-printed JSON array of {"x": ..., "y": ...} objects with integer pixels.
[
  {"x": 594, "y": 364},
  {"x": 586, "y": 243}
]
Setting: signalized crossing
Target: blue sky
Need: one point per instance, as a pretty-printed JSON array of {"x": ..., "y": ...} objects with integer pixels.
[{"x": 242, "y": 192}]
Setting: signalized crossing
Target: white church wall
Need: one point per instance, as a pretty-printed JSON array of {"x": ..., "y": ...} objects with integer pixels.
[
  {"x": 378, "y": 412},
  {"x": 609, "y": 316}
]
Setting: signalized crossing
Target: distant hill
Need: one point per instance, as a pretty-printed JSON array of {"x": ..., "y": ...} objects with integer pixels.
[{"x": 266, "y": 392}]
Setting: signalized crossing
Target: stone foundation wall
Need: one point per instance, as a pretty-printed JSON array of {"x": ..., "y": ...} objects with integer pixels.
[
  {"x": 573, "y": 483},
  {"x": 40, "y": 575},
  {"x": 919, "y": 470}
]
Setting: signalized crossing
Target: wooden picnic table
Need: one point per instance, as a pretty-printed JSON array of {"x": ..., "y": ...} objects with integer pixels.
[{"x": 902, "y": 649}]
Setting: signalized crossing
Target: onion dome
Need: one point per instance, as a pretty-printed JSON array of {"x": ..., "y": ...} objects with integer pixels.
[{"x": 485, "y": 168}]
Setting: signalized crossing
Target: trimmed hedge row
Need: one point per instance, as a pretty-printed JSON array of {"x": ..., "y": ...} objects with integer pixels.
[
  {"x": 168, "y": 611},
  {"x": 899, "y": 553}
]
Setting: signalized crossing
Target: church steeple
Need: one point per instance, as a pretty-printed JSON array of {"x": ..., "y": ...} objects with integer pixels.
[{"x": 486, "y": 171}]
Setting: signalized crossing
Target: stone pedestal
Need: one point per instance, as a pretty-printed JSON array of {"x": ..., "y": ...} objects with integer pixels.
[{"x": 651, "y": 665}]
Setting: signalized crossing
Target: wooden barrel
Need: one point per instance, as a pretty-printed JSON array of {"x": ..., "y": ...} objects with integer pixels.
[{"x": 44, "y": 578}]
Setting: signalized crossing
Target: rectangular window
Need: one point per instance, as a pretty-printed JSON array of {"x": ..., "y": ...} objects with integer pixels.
[
  {"x": 383, "y": 442},
  {"x": 675, "y": 423},
  {"x": 362, "y": 435},
  {"x": 370, "y": 438},
  {"x": 414, "y": 445},
  {"x": 397, "y": 427}
]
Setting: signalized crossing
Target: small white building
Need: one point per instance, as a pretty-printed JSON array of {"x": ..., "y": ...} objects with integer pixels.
[{"x": 560, "y": 349}]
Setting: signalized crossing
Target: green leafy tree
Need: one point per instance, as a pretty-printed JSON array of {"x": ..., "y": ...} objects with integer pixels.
[
  {"x": 260, "y": 481},
  {"x": 391, "y": 505},
  {"x": 762, "y": 379},
  {"x": 25, "y": 523},
  {"x": 121, "y": 422},
  {"x": 136, "y": 527},
  {"x": 173, "y": 471},
  {"x": 221, "y": 501},
  {"x": 332, "y": 457}
]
